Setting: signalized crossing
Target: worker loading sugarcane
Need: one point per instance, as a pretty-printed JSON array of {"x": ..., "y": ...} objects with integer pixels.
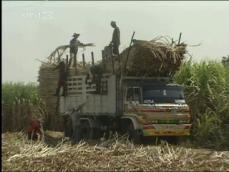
[
  {"x": 140, "y": 102},
  {"x": 62, "y": 78},
  {"x": 35, "y": 130},
  {"x": 62, "y": 66},
  {"x": 115, "y": 42},
  {"x": 74, "y": 44}
]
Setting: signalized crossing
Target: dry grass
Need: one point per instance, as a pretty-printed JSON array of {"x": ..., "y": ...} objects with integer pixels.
[{"x": 117, "y": 154}]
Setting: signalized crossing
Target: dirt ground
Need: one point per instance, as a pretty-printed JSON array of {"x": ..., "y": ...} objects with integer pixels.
[{"x": 56, "y": 153}]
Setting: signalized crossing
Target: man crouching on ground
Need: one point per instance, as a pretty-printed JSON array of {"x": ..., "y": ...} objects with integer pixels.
[{"x": 35, "y": 131}]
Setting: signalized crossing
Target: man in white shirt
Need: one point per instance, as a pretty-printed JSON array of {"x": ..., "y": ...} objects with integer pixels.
[{"x": 74, "y": 44}]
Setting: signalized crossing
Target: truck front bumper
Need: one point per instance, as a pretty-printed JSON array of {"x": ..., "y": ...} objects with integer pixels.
[{"x": 167, "y": 129}]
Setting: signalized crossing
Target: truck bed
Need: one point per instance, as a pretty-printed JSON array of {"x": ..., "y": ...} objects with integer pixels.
[{"x": 80, "y": 92}]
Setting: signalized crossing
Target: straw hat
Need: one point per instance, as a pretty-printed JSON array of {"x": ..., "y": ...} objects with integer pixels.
[
  {"x": 75, "y": 34},
  {"x": 113, "y": 22}
]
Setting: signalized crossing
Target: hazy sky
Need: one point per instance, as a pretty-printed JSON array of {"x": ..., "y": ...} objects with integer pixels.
[{"x": 32, "y": 30}]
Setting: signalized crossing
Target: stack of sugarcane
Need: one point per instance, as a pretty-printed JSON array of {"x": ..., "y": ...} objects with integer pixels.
[
  {"x": 151, "y": 58},
  {"x": 48, "y": 80}
]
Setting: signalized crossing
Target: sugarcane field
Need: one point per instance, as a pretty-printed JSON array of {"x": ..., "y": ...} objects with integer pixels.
[{"x": 115, "y": 86}]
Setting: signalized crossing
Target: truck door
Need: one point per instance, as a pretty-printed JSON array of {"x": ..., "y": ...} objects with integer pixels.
[{"x": 133, "y": 95}]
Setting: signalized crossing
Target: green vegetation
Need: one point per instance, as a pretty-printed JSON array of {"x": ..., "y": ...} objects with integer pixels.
[
  {"x": 20, "y": 103},
  {"x": 207, "y": 93},
  {"x": 19, "y": 92},
  {"x": 206, "y": 89}
]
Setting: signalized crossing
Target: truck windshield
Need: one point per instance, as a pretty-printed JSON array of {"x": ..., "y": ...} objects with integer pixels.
[{"x": 163, "y": 94}]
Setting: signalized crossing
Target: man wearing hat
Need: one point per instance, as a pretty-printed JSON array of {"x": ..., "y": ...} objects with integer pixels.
[
  {"x": 74, "y": 44},
  {"x": 115, "y": 42}
]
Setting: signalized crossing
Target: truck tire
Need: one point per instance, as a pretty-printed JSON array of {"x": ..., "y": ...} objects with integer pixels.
[
  {"x": 182, "y": 140},
  {"x": 134, "y": 135},
  {"x": 68, "y": 130},
  {"x": 86, "y": 131}
]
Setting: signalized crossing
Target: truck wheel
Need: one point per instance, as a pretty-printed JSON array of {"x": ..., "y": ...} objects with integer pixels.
[
  {"x": 133, "y": 134},
  {"x": 182, "y": 140},
  {"x": 86, "y": 131},
  {"x": 68, "y": 131}
]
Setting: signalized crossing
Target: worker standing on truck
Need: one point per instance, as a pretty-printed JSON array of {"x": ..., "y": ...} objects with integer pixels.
[
  {"x": 74, "y": 44},
  {"x": 115, "y": 42},
  {"x": 62, "y": 78}
]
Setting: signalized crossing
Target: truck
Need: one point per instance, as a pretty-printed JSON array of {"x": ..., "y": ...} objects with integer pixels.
[{"x": 138, "y": 106}]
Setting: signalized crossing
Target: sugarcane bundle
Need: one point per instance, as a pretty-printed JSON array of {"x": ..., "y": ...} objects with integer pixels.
[
  {"x": 151, "y": 58},
  {"x": 47, "y": 86},
  {"x": 48, "y": 80}
]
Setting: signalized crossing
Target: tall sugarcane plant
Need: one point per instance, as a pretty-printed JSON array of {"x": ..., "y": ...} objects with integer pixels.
[
  {"x": 19, "y": 92},
  {"x": 20, "y": 103},
  {"x": 206, "y": 90}
]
